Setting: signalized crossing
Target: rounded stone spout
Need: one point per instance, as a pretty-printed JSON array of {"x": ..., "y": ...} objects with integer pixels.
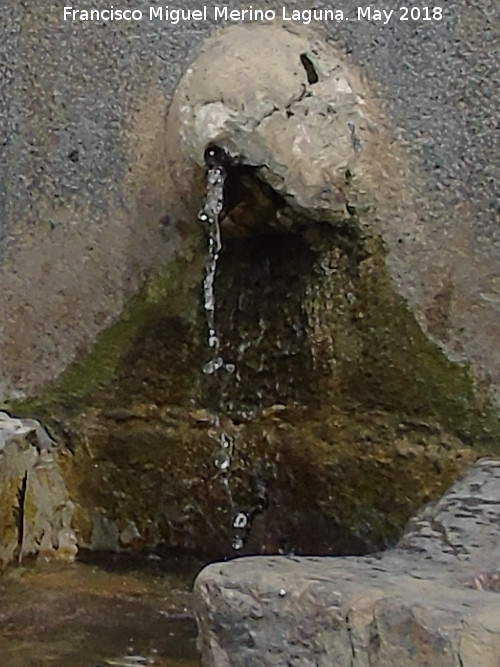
[
  {"x": 221, "y": 153},
  {"x": 320, "y": 144},
  {"x": 287, "y": 104}
]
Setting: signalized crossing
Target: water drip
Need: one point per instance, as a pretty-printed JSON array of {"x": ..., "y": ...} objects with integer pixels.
[
  {"x": 217, "y": 161},
  {"x": 209, "y": 214},
  {"x": 240, "y": 520},
  {"x": 237, "y": 543}
]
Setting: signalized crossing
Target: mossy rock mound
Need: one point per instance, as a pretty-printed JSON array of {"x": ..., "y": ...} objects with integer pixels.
[{"x": 342, "y": 418}]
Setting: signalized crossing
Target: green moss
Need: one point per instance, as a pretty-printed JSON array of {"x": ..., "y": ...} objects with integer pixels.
[
  {"x": 381, "y": 357},
  {"x": 169, "y": 291},
  {"x": 409, "y": 373},
  {"x": 346, "y": 418}
]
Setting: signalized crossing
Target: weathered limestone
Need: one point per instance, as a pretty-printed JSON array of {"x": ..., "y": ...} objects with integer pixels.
[
  {"x": 35, "y": 510},
  {"x": 289, "y": 104},
  {"x": 430, "y": 601},
  {"x": 463, "y": 525}
]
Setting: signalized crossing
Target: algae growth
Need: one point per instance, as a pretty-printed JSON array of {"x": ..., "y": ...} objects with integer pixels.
[{"x": 344, "y": 418}]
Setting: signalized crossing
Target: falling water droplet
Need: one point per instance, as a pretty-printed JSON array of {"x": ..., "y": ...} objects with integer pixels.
[
  {"x": 222, "y": 461},
  {"x": 213, "y": 365},
  {"x": 240, "y": 520},
  {"x": 237, "y": 543}
]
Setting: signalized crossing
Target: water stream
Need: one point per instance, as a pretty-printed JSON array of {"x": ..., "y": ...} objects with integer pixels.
[
  {"x": 217, "y": 160},
  {"x": 209, "y": 214}
]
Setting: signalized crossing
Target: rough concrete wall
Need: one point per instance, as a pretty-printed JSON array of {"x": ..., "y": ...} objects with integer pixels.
[
  {"x": 83, "y": 179},
  {"x": 85, "y": 199}
]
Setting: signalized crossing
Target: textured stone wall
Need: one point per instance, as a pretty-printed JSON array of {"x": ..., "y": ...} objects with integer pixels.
[
  {"x": 87, "y": 211},
  {"x": 35, "y": 510},
  {"x": 432, "y": 600}
]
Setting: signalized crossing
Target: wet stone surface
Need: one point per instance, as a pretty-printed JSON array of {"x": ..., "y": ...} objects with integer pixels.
[
  {"x": 339, "y": 420},
  {"x": 120, "y": 613}
]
